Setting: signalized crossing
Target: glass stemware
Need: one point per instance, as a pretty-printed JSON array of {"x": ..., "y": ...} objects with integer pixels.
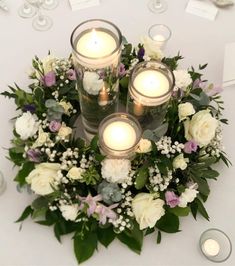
[
  {"x": 50, "y": 4},
  {"x": 26, "y": 11},
  {"x": 157, "y": 6},
  {"x": 42, "y": 22}
]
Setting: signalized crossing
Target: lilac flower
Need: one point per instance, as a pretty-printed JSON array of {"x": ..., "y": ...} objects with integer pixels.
[
  {"x": 71, "y": 74},
  {"x": 141, "y": 53},
  {"x": 54, "y": 126},
  {"x": 101, "y": 74},
  {"x": 178, "y": 93},
  {"x": 34, "y": 155},
  {"x": 106, "y": 213},
  {"x": 190, "y": 146},
  {"x": 171, "y": 199},
  {"x": 49, "y": 79},
  {"x": 122, "y": 70},
  {"x": 212, "y": 90},
  {"x": 29, "y": 108},
  {"x": 92, "y": 203},
  {"x": 199, "y": 84}
]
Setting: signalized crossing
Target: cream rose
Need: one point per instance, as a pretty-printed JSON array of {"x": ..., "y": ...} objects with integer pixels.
[
  {"x": 69, "y": 212},
  {"x": 92, "y": 83},
  {"x": 144, "y": 146},
  {"x": 42, "y": 177},
  {"x": 180, "y": 162},
  {"x": 147, "y": 210},
  {"x": 151, "y": 49},
  {"x": 26, "y": 125},
  {"x": 43, "y": 137},
  {"x": 187, "y": 196},
  {"x": 201, "y": 128},
  {"x": 64, "y": 132},
  {"x": 185, "y": 110},
  {"x": 67, "y": 106},
  {"x": 75, "y": 173}
]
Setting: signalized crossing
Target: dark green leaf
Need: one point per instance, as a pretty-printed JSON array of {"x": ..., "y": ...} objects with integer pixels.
[
  {"x": 149, "y": 231},
  {"x": 159, "y": 237},
  {"x": 28, "y": 211},
  {"x": 141, "y": 177},
  {"x": 24, "y": 172},
  {"x": 39, "y": 203},
  {"x": 39, "y": 95},
  {"x": 194, "y": 209},
  {"x": 106, "y": 235},
  {"x": 168, "y": 223},
  {"x": 94, "y": 143},
  {"x": 180, "y": 211},
  {"x": 202, "y": 209}
]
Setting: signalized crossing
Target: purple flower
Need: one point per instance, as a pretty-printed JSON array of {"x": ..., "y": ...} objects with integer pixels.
[
  {"x": 141, "y": 53},
  {"x": 34, "y": 155},
  {"x": 213, "y": 90},
  {"x": 101, "y": 74},
  {"x": 29, "y": 108},
  {"x": 106, "y": 213},
  {"x": 122, "y": 70},
  {"x": 177, "y": 93},
  {"x": 71, "y": 74},
  {"x": 171, "y": 199},
  {"x": 190, "y": 146},
  {"x": 54, "y": 126},
  {"x": 49, "y": 79},
  {"x": 92, "y": 203},
  {"x": 199, "y": 84}
]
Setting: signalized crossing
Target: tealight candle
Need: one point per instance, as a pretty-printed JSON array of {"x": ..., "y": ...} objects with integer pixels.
[
  {"x": 160, "y": 34},
  {"x": 119, "y": 134},
  {"x": 211, "y": 247}
]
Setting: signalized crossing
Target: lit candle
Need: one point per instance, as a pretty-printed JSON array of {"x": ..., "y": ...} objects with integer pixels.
[
  {"x": 151, "y": 83},
  {"x": 103, "y": 97},
  {"x": 211, "y": 247},
  {"x": 138, "y": 109}
]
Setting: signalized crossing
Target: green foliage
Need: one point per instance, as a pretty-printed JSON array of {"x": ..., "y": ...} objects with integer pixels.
[
  {"x": 159, "y": 237},
  {"x": 172, "y": 62},
  {"x": 141, "y": 177},
  {"x": 23, "y": 173},
  {"x": 168, "y": 223},
  {"x": 106, "y": 235},
  {"x": 26, "y": 213},
  {"x": 178, "y": 211}
]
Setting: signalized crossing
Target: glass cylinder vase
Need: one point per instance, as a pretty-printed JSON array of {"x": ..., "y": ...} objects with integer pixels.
[
  {"x": 150, "y": 88},
  {"x": 96, "y": 46}
]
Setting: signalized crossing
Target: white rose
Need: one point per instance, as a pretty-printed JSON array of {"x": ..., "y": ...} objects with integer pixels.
[
  {"x": 26, "y": 125},
  {"x": 75, "y": 173},
  {"x": 185, "y": 110},
  {"x": 64, "y": 131},
  {"x": 147, "y": 210},
  {"x": 201, "y": 128},
  {"x": 43, "y": 137},
  {"x": 69, "y": 212},
  {"x": 182, "y": 78},
  {"x": 42, "y": 178},
  {"x": 144, "y": 146},
  {"x": 67, "y": 106},
  {"x": 92, "y": 83},
  {"x": 151, "y": 49},
  {"x": 49, "y": 63},
  {"x": 180, "y": 162},
  {"x": 115, "y": 170},
  {"x": 187, "y": 196}
]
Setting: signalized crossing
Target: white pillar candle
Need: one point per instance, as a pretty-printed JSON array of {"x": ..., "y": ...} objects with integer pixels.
[
  {"x": 211, "y": 247},
  {"x": 119, "y": 135}
]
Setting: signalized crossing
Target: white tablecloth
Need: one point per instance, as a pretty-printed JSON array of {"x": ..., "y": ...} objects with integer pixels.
[{"x": 200, "y": 41}]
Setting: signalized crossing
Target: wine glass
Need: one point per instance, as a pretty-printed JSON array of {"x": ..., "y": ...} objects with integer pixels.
[
  {"x": 42, "y": 22},
  {"x": 26, "y": 11},
  {"x": 50, "y": 4},
  {"x": 157, "y": 6}
]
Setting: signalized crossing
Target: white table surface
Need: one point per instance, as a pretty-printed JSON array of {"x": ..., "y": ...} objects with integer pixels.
[{"x": 200, "y": 41}]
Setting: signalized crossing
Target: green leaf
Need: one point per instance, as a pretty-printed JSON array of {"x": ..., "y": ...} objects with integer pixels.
[
  {"x": 194, "y": 209},
  {"x": 149, "y": 231},
  {"x": 94, "y": 143},
  {"x": 23, "y": 173},
  {"x": 159, "y": 237},
  {"x": 203, "y": 186},
  {"x": 106, "y": 236},
  {"x": 39, "y": 212},
  {"x": 16, "y": 156},
  {"x": 124, "y": 82},
  {"x": 210, "y": 174},
  {"x": 202, "y": 209},
  {"x": 168, "y": 223},
  {"x": 27, "y": 211},
  {"x": 85, "y": 246},
  {"x": 141, "y": 178},
  {"x": 180, "y": 211},
  {"x": 39, "y": 95},
  {"x": 39, "y": 203}
]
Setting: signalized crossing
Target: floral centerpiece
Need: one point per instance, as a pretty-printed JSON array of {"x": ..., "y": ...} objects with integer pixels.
[{"x": 99, "y": 199}]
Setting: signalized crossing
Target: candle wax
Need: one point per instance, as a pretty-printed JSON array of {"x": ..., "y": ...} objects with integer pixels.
[
  {"x": 151, "y": 83},
  {"x": 211, "y": 247},
  {"x": 119, "y": 136},
  {"x": 159, "y": 38},
  {"x": 96, "y": 44}
]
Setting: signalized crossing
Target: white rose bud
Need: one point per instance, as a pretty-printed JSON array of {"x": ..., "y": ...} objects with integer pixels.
[
  {"x": 147, "y": 210},
  {"x": 69, "y": 212},
  {"x": 64, "y": 132},
  {"x": 75, "y": 173},
  {"x": 182, "y": 78},
  {"x": 42, "y": 178},
  {"x": 185, "y": 110},
  {"x": 180, "y": 162},
  {"x": 201, "y": 128},
  {"x": 26, "y": 125},
  {"x": 144, "y": 146},
  {"x": 92, "y": 83},
  {"x": 48, "y": 63}
]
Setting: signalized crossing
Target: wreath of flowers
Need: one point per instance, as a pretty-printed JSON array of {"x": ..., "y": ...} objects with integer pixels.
[{"x": 98, "y": 199}]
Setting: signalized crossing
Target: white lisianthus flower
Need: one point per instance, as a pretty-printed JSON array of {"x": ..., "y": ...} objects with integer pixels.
[
  {"x": 201, "y": 128},
  {"x": 69, "y": 212},
  {"x": 67, "y": 106},
  {"x": 187, "y": 196},
  {"x": 49, "y": 63},
  {"x": 26, "y": 125},
  {"x": 64, "y": 131},
  {"x": 92, "y": 83},
  {"x": 43, "y": 137},
  {"x": 182, "y": 78},
  {"x": 185, "y": 110},
  {"x": 75, "y": 173},
  {"x": 147, "y": 210},
  {"x": 42, "y": 178},
  {"x": 144, "y": 146},
  {"x": 151, "y": 49},
  {"x": 180, "y": 162},
  {"x": 115, "y": 170}
]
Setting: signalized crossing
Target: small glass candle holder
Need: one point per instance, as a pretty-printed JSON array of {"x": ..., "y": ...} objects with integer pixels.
[
  {"x": 2, "y": 183},
  {"x": 119, "y": 135},
  {"x": 160, "y": 34},
  {"x": 215, "y": 245},
  {"x": 150, "y": 88}
]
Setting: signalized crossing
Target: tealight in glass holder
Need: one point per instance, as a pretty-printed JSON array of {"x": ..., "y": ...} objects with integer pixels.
[
  {"x": 96, "y": 46},
  {"x": 2, "y": 184},
  {"x": 150, "y": 89},
  {"x": 215, "y": 245},
  {"x": 119, "y": 135},
  {"x": 160, "y": 34}
]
